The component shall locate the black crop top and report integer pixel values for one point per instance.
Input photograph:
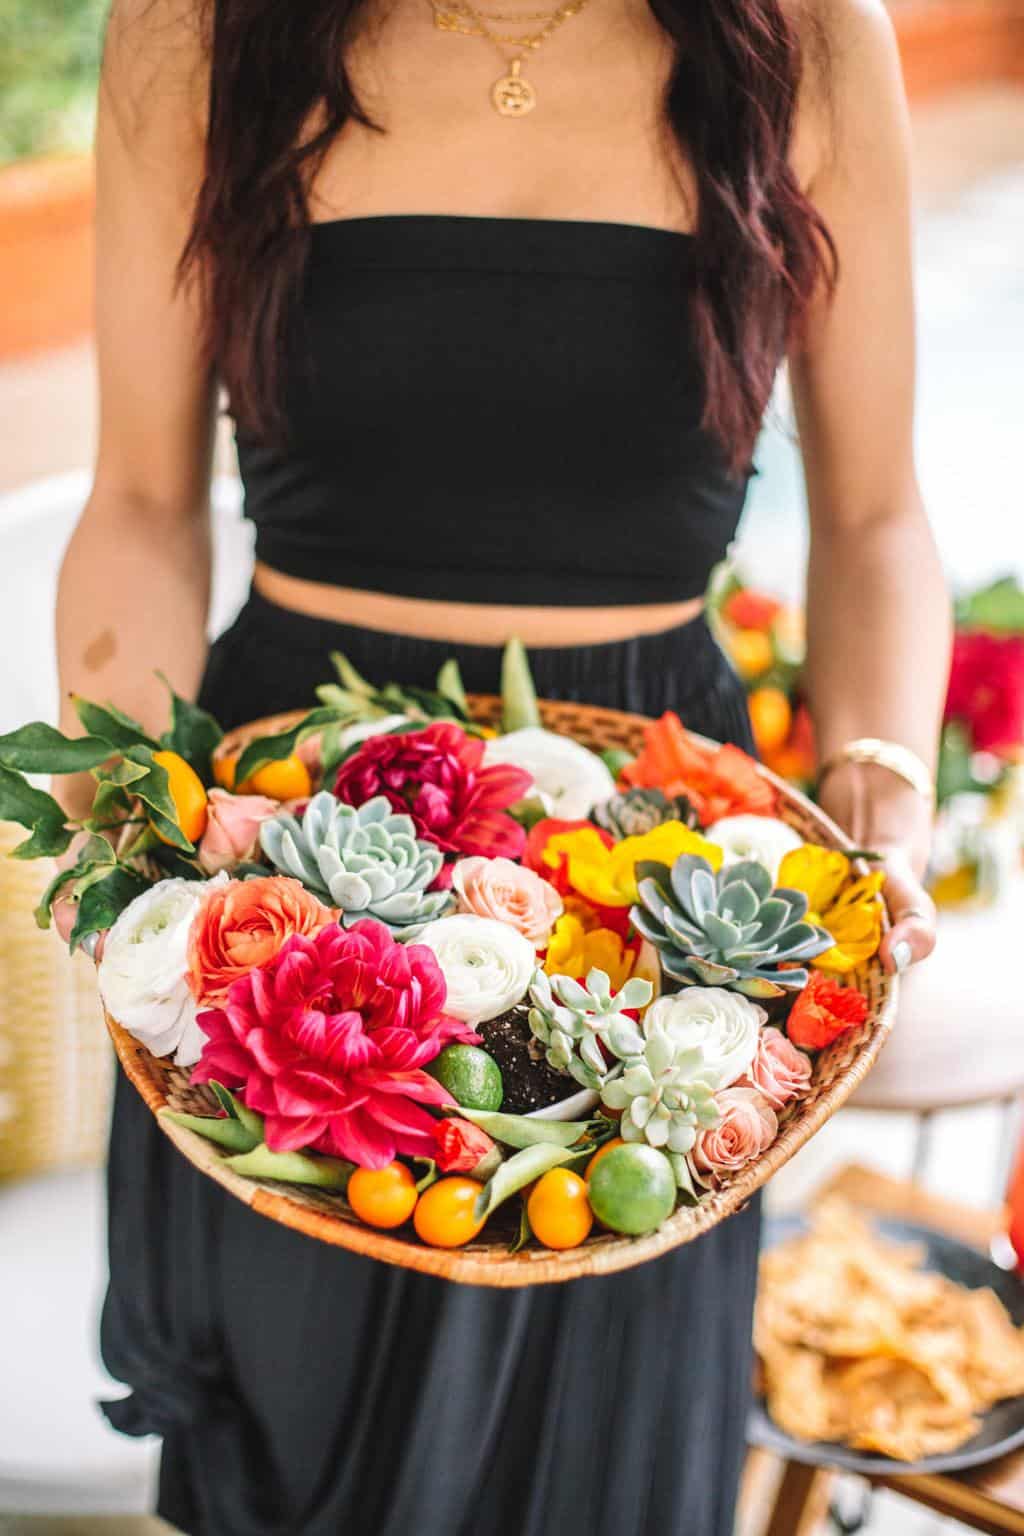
(495, 410)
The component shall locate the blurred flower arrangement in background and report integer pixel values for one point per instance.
(979, 832)
(49, 67)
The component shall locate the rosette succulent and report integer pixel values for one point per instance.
(573, 1021)
(632, 812)
(666, 1094)
(727, 930)
(365, 860)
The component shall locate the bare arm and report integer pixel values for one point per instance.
(878, 611)
(134, 584)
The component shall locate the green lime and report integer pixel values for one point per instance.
(632, 1189)
(471, 1076)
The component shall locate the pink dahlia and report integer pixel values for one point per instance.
(328, 1041)
(986, 689)
(437, 775)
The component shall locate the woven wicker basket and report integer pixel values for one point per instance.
(487, 1261)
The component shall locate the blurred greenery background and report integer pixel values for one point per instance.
(49, 65)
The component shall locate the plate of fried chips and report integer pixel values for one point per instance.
(882, 1342)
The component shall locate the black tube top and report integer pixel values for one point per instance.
(495, 410)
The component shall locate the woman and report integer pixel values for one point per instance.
(497, 352)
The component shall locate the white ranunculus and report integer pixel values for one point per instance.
(487, 965)
(725, 1025)
(764, 839)
(568, 778)
(142, 971)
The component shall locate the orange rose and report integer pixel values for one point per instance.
(242, 924)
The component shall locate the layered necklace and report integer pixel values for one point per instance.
(512, 94)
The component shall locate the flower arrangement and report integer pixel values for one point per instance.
(430, 969)
(979, 832)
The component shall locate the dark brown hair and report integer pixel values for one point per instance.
(761, 249)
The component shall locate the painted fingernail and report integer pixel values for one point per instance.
(902, 954)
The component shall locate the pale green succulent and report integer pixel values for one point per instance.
(666, 1095)
(366, 860)
(573, 1022)
(632, 812)
(726, 930)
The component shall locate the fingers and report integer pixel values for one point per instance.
(912, 935)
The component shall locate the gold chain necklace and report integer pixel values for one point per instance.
(512, 95)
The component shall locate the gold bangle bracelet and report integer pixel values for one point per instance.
(891, 755)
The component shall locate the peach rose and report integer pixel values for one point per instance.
(778, 1071)
(232, 826)
(747, 1125)
(243, 924)
(503, 890)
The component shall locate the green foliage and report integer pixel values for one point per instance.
(49, 69)
(36, 810)
(193, 734)
(999, 608)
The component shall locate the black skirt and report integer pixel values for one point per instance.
(304, 1391)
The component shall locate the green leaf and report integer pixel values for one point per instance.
(41, 913)
(193, 733)
(110, 723)
(525, 1230)
(449, 686)
(234, 1107)
(271, 749)
(102, 904)
(999, 607)
(152, 787)
(110, 803)
(350, 679)
(33, 808)
(518, 695)
(526, 1130)
(39, 748)
(226, 1133)
(520, 1169)
(615, 759)
(292, 1168)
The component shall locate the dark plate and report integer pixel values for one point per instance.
(1003, 1426)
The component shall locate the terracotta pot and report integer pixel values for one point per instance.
(46, 252)
(949, 43)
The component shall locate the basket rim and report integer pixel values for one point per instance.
(601, 1254)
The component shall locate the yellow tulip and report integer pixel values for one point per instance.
(607, 876)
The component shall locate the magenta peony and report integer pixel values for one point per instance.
(437, 775)
(328, 1041)
(986, 689)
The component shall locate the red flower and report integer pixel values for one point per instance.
(437, 776)
(328, 1041)
(823, 1011)
(986, 689)
(750, 610)
(461, 1146)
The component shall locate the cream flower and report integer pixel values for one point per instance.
(487, 965)
(724, 1025)
(765, 839)
(502, 889)
(568, 778)
(747, 1126)
(142, 974)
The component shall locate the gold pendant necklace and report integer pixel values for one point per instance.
(512, 95)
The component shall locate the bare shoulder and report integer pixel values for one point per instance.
(155, 78)
(851, 78)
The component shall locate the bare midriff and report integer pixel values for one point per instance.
(470, 623)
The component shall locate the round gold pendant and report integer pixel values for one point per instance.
(512, 95)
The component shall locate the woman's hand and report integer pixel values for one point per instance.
(886, 816)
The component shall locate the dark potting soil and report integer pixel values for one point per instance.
(528, 1080)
